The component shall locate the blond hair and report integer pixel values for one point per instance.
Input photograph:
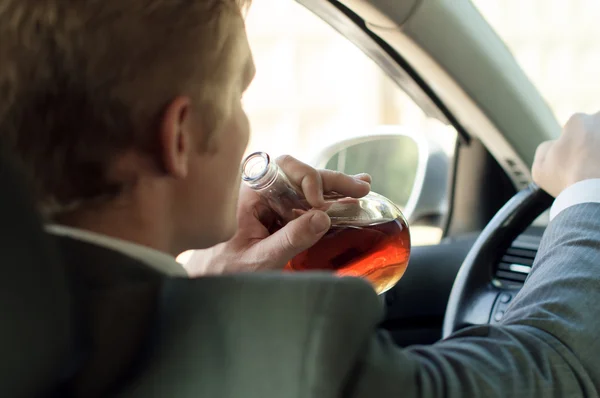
(82, 81)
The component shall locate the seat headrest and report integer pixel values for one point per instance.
(34, 300)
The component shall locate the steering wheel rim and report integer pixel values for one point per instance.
(473, 296)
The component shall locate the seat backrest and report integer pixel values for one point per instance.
(34, 305)
(261, 335)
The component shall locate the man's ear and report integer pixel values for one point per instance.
(175, 137)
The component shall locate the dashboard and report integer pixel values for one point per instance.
(514, 264)
(415, 308)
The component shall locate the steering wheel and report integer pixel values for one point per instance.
(474, 298)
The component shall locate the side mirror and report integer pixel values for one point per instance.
(412, 169)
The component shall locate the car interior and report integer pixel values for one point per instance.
(462, 74)
(492, 220)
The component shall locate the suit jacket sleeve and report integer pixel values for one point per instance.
(547, 345)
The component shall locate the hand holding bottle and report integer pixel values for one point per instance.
(260, 243)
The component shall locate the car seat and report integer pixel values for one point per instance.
(35, 335)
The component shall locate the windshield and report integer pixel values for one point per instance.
(557, 43)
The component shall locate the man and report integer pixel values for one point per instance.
(127, 118)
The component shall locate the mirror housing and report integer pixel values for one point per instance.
(428, 201)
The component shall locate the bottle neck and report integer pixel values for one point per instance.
(273, 185)
(259, 172)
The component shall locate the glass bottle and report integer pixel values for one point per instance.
(369, 237)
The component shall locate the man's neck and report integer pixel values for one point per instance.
(128, 223)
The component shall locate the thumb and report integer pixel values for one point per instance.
(297, 236)
(542, 169)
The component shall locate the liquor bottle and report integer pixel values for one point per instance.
(368, 238)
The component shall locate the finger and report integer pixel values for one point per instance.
(335, 181)
(363, 177)
(250, 203)
(542, 151)
(315, 182)
(538, 171)
(575, 128)
(296, 236)
(574, 121)
(305, 177)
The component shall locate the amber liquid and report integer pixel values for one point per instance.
(376, 253)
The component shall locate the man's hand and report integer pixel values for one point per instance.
(258, 244)
(574, 157)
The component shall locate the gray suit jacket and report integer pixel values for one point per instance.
(271, 336)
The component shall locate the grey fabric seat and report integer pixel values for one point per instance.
(35, 331)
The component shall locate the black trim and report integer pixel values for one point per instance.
(451, 190)
(423, 322)
(480, 188)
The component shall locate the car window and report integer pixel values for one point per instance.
(557, 43)
(314, 88)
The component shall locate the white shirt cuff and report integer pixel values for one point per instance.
(586, 191)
